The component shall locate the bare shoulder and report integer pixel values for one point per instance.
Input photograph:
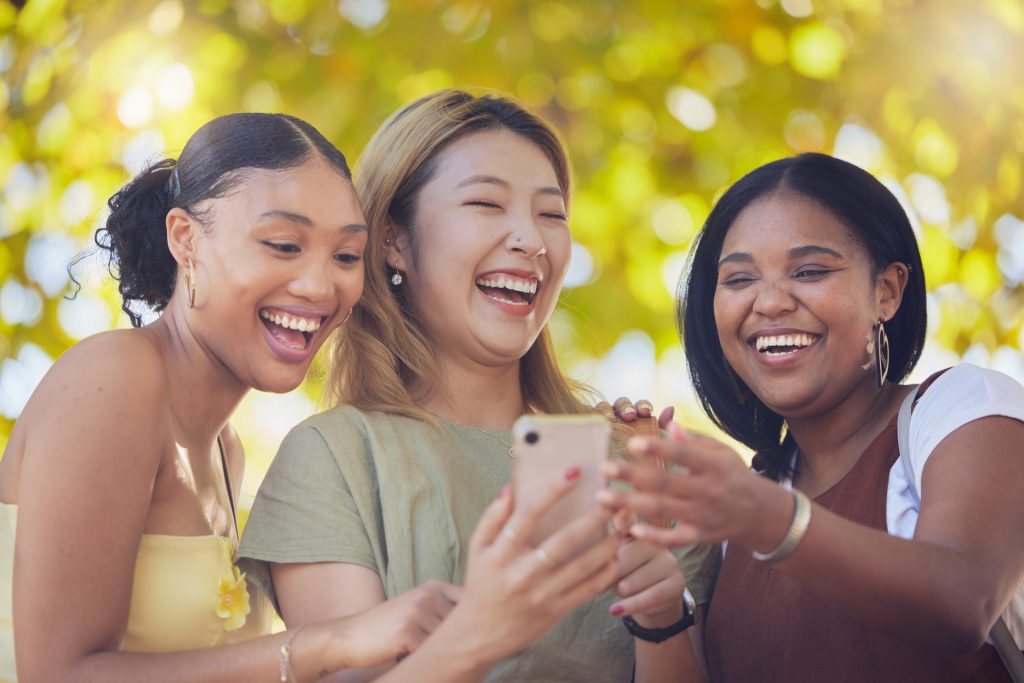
(115, 377)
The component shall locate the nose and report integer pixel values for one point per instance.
(313, 281)
(773, 299)
(526, 238)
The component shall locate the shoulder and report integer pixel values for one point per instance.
(970, 389)
(344, 427)
(120, 370)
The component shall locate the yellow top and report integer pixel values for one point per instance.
(187, 594)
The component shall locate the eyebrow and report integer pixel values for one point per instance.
(795, 252)
(304, 220)
(494, 180)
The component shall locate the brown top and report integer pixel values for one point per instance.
(763, 626)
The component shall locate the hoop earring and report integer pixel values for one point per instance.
(190, 281)
(347, 316)
(881, 353)
(396, 279)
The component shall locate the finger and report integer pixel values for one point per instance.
(577, 569)
(650, 505)
(491, 522)
(644, 408)
(677, 537)
(656, 565)
(587, 588)
(621, 522)
(664, 593)
(693, 451)
(633, 555)
(645, 477)
(624, 409)
(606, 409)
(571, 539)
(665, 418)
(527, 515)
(445, 596)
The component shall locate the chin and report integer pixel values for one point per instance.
(278, 385)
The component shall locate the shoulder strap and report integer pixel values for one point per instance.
(1008, 650)
(227, 483)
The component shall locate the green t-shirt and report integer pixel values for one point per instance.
(402, 498)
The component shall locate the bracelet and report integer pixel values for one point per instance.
(285, 659)
(657, 635)
(797, 529)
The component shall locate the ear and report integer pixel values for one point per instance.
(396, 246)
(181, 233)
(892, 282)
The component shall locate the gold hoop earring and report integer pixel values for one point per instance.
(347, 316)
(881, 353)
(190, 281)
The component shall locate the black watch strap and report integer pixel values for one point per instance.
(657, 635)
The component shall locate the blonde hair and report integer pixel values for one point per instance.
(384, 352)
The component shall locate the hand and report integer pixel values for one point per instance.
(625, 410)
(515, 593)
(713, 497)
(650, 583)
(393, 628)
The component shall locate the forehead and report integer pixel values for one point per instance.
(780, 221)
(496, 152)
(313, 188)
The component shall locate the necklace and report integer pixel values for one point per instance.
(511, 449)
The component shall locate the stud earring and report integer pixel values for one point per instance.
(881, 353)
(396, 278)
(190, 281)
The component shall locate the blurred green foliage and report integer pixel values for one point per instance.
(662, 104)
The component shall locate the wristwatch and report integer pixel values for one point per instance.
(657, 635)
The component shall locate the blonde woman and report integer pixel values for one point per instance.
(467, 202)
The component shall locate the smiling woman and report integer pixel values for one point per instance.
(121, 474)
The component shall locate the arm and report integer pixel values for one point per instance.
(944, 588)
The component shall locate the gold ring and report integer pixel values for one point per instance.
(509, 533)
(543, 556)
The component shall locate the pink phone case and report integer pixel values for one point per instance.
(550, 444)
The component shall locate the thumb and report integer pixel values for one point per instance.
(491, 522)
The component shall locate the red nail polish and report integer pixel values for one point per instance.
(572, 473)
(617, 610)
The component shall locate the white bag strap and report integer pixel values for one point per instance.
(1009, 652)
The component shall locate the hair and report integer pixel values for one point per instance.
(873, 218)
(211, 165)
(385, 354)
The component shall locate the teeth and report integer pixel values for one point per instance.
(515, 285)
(292, 322)
(794, 340)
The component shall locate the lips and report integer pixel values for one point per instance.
(291, 331)
(509, 288)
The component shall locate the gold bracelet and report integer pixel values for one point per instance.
(797, 529)
(285, 660)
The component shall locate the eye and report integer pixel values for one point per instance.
(348, 259)
(556, 216)
(737, 280)
(810, 273)
(283, 247)
(484, 203)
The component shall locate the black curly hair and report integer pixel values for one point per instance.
(210, 166)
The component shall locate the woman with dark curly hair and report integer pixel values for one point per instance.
(121, 475)
(881, 540)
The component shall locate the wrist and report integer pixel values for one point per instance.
(661, 618)
(317, 651)
(462, 644)
(772, 510)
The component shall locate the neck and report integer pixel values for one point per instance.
(203, 392)
(831, 443)
(477, 395)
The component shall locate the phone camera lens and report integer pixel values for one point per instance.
(532, 437)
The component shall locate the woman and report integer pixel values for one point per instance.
(466, 200)
(122, 472)
(803, 310)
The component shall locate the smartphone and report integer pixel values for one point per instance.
(549, 444)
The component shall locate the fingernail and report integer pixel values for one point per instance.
(609, 470)
(605, 496)
(504, 491)
(638, 530)
(616, 610)
(629, 411)
(572, 473)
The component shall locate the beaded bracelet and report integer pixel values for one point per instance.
(285, 660)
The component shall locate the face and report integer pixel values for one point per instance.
(278, 267)
(795, 303)
(490, 248)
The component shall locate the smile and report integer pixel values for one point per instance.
(508, 289)
(291, 330)
(781, 345)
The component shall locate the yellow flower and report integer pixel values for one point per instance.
(232, 594)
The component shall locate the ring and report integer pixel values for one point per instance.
(543, 556)
(509, 533)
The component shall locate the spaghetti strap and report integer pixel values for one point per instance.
(227, 483)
